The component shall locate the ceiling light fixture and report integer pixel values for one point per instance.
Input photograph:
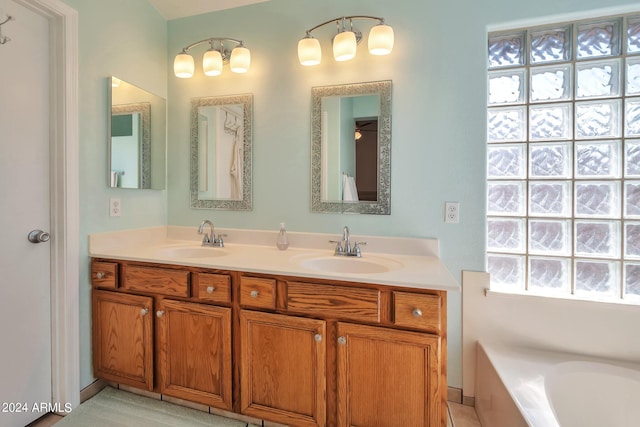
(239, 58)
(345, 41)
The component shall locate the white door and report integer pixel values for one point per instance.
(25, 300)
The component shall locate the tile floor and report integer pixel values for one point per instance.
(459, 415)
(46, 421)
(463, 415)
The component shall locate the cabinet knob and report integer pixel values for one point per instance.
(210, 289)
(144, 311)
(159, 313)
(417, 312)
(254, 294)
(100, 275)
(342, 340)
(317, 337)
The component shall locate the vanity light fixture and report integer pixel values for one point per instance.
(239, 58)
(345, 41)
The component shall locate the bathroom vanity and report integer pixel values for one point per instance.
(286, 336)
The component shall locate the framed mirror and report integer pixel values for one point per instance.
(351, 148)
(137, 127)
(221, 138)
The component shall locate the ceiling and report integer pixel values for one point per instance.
(172, 9)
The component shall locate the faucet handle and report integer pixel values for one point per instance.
(356, 248)
(206, 240)
(338, 243)
(218, 241)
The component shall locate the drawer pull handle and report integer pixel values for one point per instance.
(417, 312)
(317, 337)
(342, 340)
(210, 289)
(160, 313)
(144, 311)
(254, 294)
(100, 275)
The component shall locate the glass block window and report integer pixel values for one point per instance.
(563, 159)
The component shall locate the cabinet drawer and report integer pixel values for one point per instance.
(258, 292)
(341, 302)
(213, 287)
(104, 274)
(418, 311)
(157, 280)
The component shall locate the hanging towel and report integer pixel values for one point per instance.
(114, 178)
(237, 164)
(349, 191)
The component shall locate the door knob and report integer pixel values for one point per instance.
(38, 236)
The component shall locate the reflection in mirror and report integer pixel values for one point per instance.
(221, 152)
(351, 146)
(137, 137)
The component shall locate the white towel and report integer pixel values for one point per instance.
(349, 191)
(237, 162)
(114, 178)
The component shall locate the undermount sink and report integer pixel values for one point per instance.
(190, 252)
(352, 265)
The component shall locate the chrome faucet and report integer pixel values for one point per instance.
(343, 247)
(210, 239)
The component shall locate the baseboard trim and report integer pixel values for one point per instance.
(91, 390)
(454, 395)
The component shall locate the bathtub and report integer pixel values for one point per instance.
(532, 388)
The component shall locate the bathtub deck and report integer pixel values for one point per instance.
(512, 391)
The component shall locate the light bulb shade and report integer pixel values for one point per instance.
(344, 46)
(212, 63)
(309, 51)
(381, 40)
(183, 65)
(240, 59)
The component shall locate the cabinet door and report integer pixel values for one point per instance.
(387, 378)
(194, 342)
(122, 338)
(282, 369)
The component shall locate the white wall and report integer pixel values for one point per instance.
(581, 327)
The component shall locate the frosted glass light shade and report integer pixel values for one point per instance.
(381, 40)
(240, 60)
(183, 66)
(212, 63)
(344, 46)
(309, 51)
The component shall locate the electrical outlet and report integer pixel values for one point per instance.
(115, 209)
(452, 212)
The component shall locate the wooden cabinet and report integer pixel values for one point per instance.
(178, 348)
(282, 368)
(296, 351)
(122, 338)
(194, 342)
(387, 377)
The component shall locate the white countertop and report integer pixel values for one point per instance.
(407, 262)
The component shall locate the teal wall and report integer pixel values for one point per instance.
(439, 95)
(438, 69)
(128, 39)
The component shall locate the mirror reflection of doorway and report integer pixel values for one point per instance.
(366, 176)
